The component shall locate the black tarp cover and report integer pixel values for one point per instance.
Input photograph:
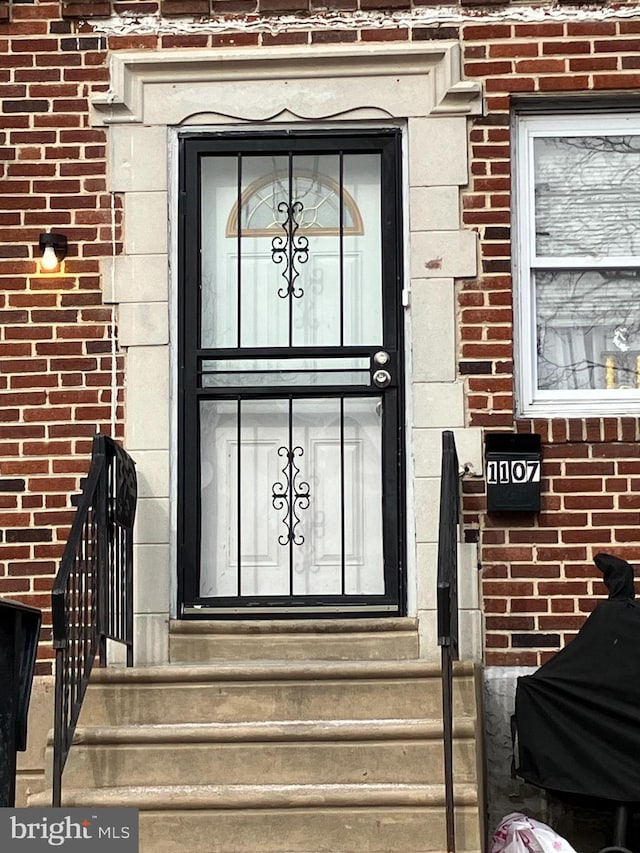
(578, 716)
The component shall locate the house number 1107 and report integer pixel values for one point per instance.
(513, 471)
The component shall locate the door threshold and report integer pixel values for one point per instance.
(274, 612)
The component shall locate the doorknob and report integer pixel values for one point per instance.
(381, 378)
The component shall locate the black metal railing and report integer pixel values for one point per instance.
(447, 599)
(92, 597)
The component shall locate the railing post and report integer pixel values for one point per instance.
(447, 725)
(58, 733)
(101, 510)
(447, 599)
(129, 595)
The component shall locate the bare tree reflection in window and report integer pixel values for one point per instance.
(579, 321)
(587, 207)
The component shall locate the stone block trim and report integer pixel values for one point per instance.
(377, 85)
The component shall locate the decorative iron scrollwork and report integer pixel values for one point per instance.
(292, 496)
(126, 488)
(291, 249)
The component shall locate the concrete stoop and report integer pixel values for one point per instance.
(288, 755)
(301, 639)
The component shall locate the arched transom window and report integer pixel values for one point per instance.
(317, 198)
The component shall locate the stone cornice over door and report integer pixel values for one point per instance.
(277, 84)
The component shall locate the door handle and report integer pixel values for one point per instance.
(381, 378)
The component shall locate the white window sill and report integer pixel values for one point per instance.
(621, 406)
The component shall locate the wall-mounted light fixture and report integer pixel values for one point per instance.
(54, 250)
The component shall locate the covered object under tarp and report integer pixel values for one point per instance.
(578, 717)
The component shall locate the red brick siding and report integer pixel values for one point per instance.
(56, 335)
(539, 581)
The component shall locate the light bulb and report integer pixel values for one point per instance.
(49, 260)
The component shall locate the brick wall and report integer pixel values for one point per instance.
(538, 577)
(56, 361)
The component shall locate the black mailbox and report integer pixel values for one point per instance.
(513, 463)
(19, 632)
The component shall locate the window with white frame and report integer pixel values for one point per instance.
(577, 254)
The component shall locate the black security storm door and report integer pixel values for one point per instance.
(290, 375)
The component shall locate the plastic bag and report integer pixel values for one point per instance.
(518, 833)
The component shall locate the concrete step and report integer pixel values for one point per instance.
(198, 641)
(285, 752)
(280, 738)
(273, 691)
(335, 818)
